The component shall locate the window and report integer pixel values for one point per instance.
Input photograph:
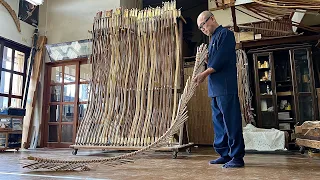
(13, 63)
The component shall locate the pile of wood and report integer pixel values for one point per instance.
(308, 135)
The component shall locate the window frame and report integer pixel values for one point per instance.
(15, 47)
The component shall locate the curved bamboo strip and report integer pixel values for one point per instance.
(12, 14)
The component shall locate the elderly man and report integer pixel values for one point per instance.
(222, 88)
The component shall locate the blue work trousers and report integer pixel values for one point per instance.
(227, 122)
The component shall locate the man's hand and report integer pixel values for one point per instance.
(202, 76)
(199, 78)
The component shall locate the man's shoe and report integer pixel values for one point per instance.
(234, 163)
(220, 160)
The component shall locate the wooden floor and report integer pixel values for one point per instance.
(160, 165)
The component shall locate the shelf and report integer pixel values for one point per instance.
(4, 116)
(283, 81)
(266, 96)
(264, 68)
(283, 95)
(10, 131)
(304, 93)
(287, 85)
(284, 110)
(287, 93)
(286, 121)
(291, 120)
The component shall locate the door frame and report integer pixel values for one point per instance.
(46, 101)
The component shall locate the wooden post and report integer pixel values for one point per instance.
(32, 92)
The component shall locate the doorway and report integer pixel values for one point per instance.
(65, 101)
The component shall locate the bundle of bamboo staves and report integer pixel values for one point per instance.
(136, 66)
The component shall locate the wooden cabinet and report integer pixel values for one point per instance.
(284, 87)
(10, 137)
(265, 90)
(303, 83)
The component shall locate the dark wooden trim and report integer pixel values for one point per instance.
(12, 72)
(234, 19)
(15, 47)
(274, 89)
(287, 47)
(1, 56)
(295, 85)
(10, 96)
(11, 76)
(76, 116)
(274, 41)
(313, 88)
(83, 82)
(65, 62)
(62, 122)
(9, 42)
(59, 84)
(257, 88)
(61, 103)
(46, 98)
(25, 69)
(76, 102)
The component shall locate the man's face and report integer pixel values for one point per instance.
(206, 25)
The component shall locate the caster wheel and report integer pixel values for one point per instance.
(75, 152)
(188, 150)
(17, 149)
(174, 154)
(302, 149)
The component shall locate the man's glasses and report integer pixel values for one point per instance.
(202, 24)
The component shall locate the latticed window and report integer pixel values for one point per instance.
(13, 63)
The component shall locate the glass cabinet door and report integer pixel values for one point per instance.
(265, 90)
(304, 84)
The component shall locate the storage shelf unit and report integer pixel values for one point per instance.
(284, 87)
(9, 137)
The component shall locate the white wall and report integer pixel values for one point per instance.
(8, 28)
(69, 20)
(64, 21)
(224, 16)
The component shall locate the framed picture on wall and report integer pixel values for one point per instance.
(28, 13)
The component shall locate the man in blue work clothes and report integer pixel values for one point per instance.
(222, 88)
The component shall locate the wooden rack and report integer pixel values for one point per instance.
(5, 133)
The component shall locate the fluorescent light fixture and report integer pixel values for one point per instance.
(35, 2)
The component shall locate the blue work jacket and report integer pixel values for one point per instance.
(222, 58)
